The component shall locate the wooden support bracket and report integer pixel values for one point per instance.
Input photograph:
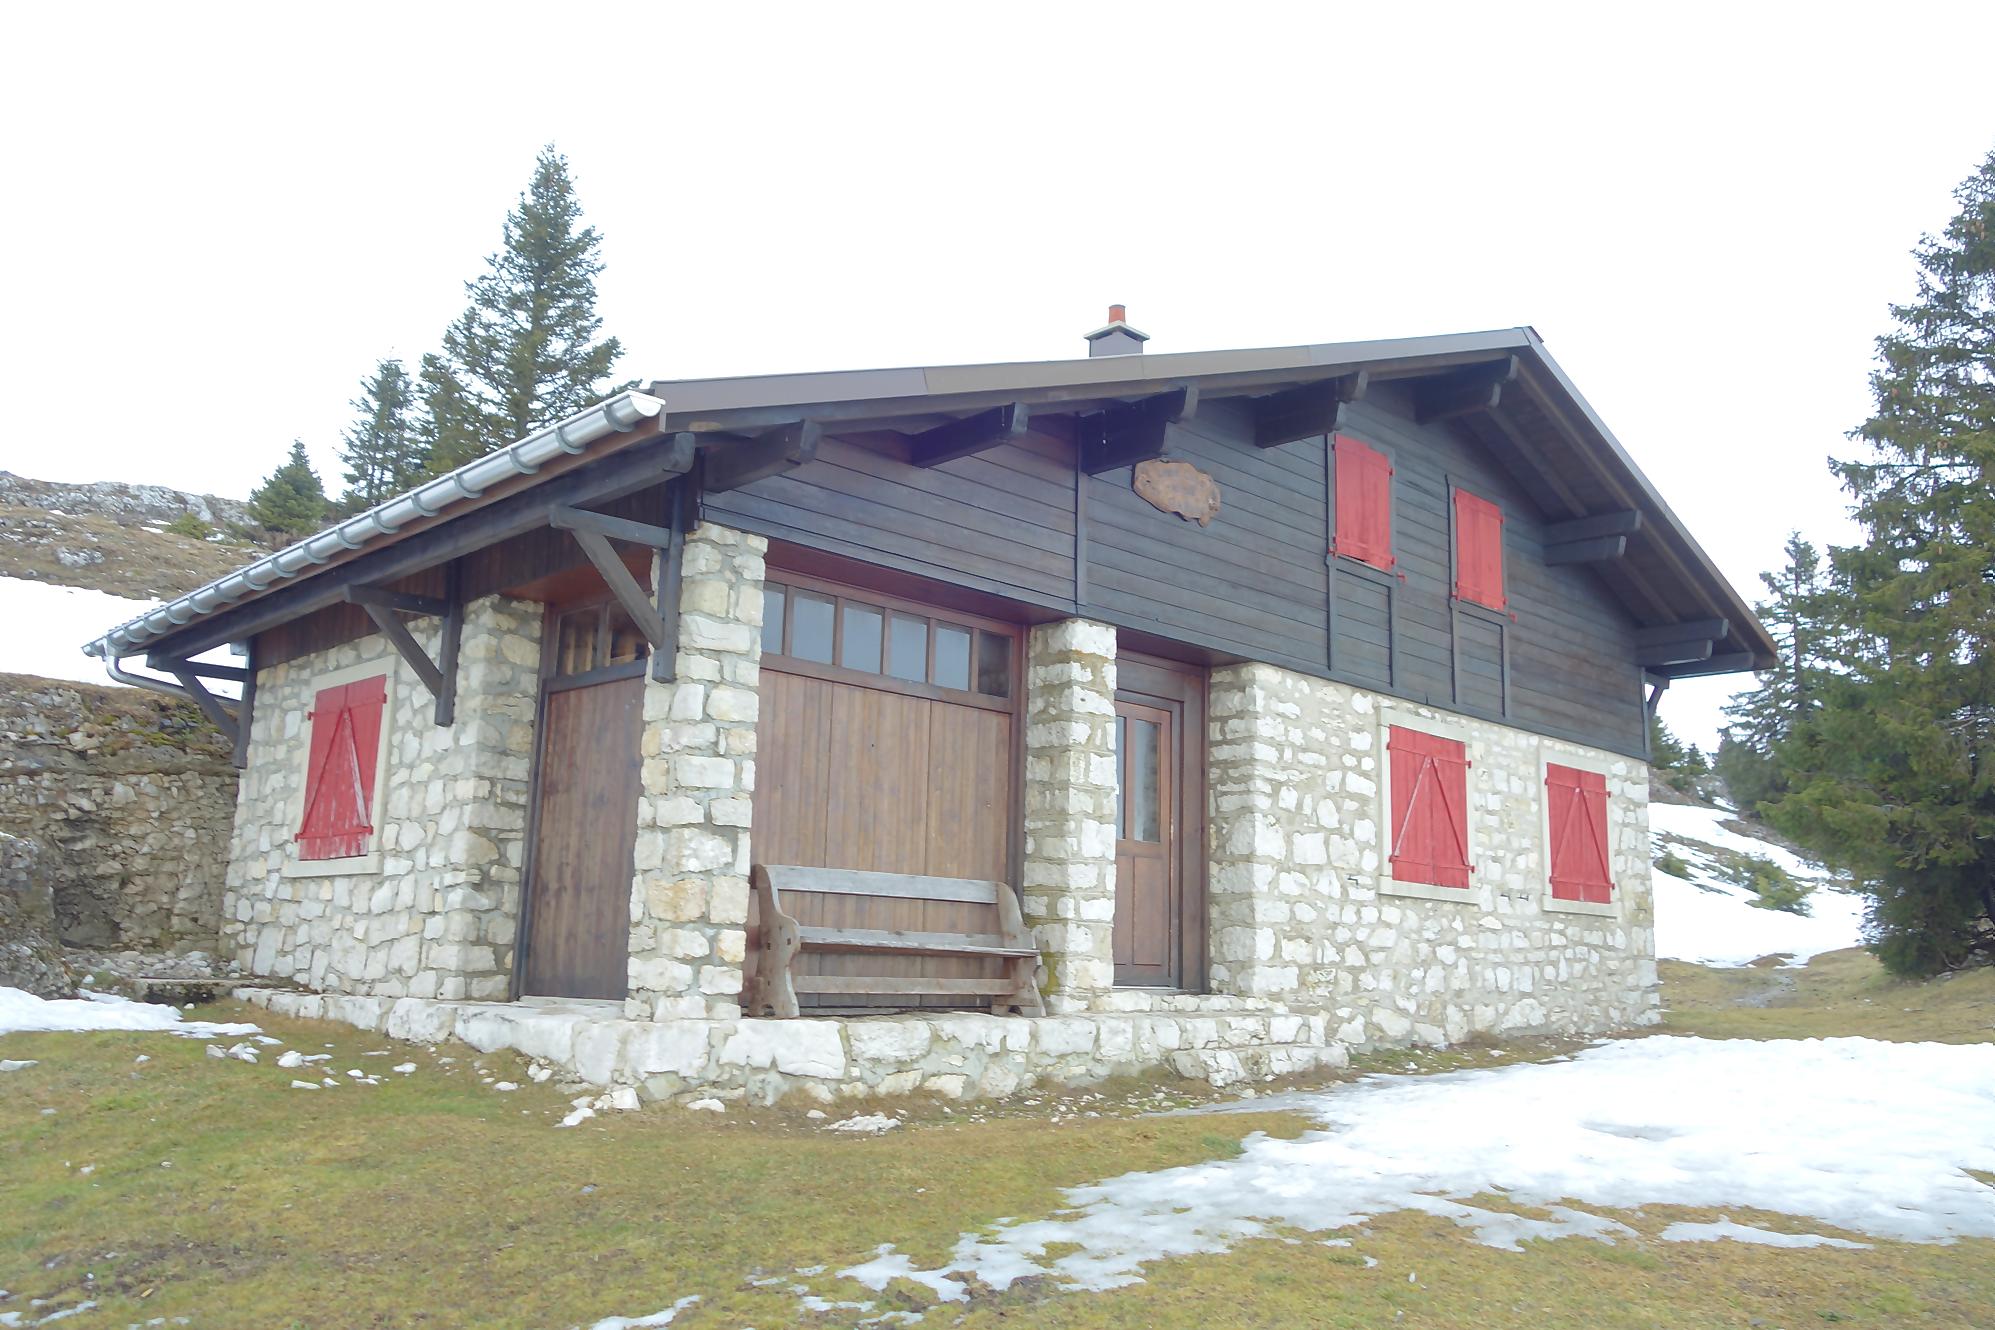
(736, 462)
(386, 607)
(1624, 523)
(192, 677)
(1596, 549)
(657, 619)
(1131, 432)
(1676, 653)
(1477, 388)
(970, 435)
(1306, 412)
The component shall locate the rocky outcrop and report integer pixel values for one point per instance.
(30, 956)
(134, 504)
(132, 795)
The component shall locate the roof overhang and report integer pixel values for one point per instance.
(1541, 430)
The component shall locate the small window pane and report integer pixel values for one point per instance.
(1121, 781)
(907, 648)
(859, 648)
(626, 643)
(773, 600)
(1145, 795)
(575, 642)
(952, 657)
(810, 628)
(993, 665)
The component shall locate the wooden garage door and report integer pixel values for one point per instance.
(885, 743)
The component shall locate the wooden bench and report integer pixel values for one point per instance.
(994, 939)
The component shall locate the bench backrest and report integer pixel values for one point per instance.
(904, 886)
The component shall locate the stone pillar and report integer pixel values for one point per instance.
(689, 897)
(480, 772)
(1069, 887)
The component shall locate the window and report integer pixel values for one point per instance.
(1364, 504)
(342, 768)
(858, 635)
(595, 637)
(1581, 868)
(1428, 777)
(1479, 551)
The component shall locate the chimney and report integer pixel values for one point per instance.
(1116, 337)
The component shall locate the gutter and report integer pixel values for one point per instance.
(572, 436)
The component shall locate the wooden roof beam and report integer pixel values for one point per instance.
(1688, 630)
(1131, 432)
(1598, 549)
(1307, 412)
(1624, 523)
(1478, 388)
(970, 435)
(733, 463)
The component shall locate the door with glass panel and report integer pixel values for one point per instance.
(1145, 841)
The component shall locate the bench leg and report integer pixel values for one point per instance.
(778, 969)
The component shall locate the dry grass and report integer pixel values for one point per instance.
(217, 1192)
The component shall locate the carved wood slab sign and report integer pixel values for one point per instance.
(1179, 487)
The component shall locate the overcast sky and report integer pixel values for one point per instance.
(221, 216)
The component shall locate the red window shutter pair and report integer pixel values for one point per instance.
(1430, 785)
(1577, 803)
(339, 780)
(1479, 551)
(1364, 504)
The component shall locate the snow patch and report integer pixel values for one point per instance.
(23, 1012)
(1765, 1237)
(1708, 921)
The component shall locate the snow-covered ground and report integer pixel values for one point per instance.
(1860, 1135)
(51, 624)
(1704, 919)
(24, 1012)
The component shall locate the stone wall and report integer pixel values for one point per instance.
(1303, 911)
(1068, 891)
(689, 895)
(437, 917)
(30, 957)
(131, 795)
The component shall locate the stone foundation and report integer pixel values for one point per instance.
(951, 1055)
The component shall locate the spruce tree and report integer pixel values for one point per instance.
(382, 451)
(291, 501)
(1798, 611)
(526, 351)
(1896, 770)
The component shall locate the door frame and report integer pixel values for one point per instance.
(547, 682)
(1179, 688)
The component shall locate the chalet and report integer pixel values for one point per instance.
(962, 727)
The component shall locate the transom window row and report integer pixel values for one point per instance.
(870, 638)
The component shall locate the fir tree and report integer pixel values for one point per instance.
(1798, 611)
(382, 451)
(291, 501)
(1896, 769)
(526, 352)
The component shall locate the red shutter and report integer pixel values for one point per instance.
(1429, 808)
(1581, 868)
(339, 780)
(1364, 504)
(1479, 551)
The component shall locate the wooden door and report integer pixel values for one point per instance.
(1146, 862)
(1159, 931)
(577, 934)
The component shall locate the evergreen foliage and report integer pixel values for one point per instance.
(382, 450)
(291, 501)
(1672, 757)
(526, 351)
(1890, 767)
(1799, 611)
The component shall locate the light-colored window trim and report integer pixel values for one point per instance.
(1579, 762)
(1442, 727)
(358, 864)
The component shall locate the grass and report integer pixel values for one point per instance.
(215, 1191)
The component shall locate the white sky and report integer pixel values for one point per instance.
(220, 217)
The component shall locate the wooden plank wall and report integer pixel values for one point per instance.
(1254, 584)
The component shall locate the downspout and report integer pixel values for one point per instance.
(114, 666)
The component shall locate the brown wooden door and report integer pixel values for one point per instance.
(1159, 933)
(1146, 862)
(885, 744)
(585, 828)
